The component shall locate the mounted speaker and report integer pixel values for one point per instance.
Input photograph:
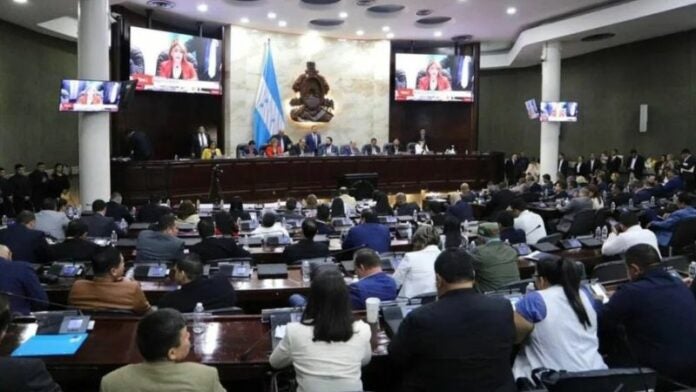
(643, 122)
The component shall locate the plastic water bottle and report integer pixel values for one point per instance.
(630, 203)
(530, 287)
(415, 216)
(198, 326)
(598, 234)
(692, 270)
(133, 212)
(652, 201)
(4, 220)
(306, 271)
(284, 222)
(605, 233)
(409, 232)
(613, 206)
(507, 242)
(114, 237)
(466, 226)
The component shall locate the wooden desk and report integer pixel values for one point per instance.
(270, 178)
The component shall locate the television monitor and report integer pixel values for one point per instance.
(532, 109)
(434, 77)
(166, 61)
(89, 96)
(558, 112)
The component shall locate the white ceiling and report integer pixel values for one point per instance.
(506, 40)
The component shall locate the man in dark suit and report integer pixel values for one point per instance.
(306, 248)
(6, 207)
(688, 169)
(510, 169)
(199, 142)
(284, 141)
(395, 147)
(313, 140)
(463, 339)
(161, 244)
(328, 148)
(22, 374)
(581, 167)
(403, 207)
(521, 165)
(25, 243)
(214, 293)
(99, 225)
(369, 233)
(39, 184)
(214, 248)
(300, 149)
(140, 145)
(323, 220)
(153, 210)
(372, 148)
(19, 278)
(635, 164)
(351, 149)
(593, 164)
(614, 164)
(116, 210)
(562, 165)
(76, 245)
(21, 189)
(461, 210)
(208, 55)
(501, 198)
(373, 282)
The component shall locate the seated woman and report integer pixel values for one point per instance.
(560, 322)
(311, 202)
(451, 233)
(596, 197)
(326, 348)
(211, 152)
(273, 149)
(338, 208)
(323, 218)
(382, 207)
(237, 210)
(187, 213)
(416, 272)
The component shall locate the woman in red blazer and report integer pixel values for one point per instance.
(434, 79)
(273, 149)
(177, 67)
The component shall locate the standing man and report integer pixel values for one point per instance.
(313, 140)
(687, 169)
(562, 165)
(199, 141)
(614, 164)
(284, 141)
(6, 192)
(39, 184)
(140, 145)
(593, 164)
(635, 164)
(21, 189)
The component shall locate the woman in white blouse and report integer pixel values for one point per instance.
(327, 348)
(416, 272)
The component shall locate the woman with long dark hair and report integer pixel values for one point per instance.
(338, 208)
(327, 347)
(237, 209)
(453, 232)
(560, 321)
(382, 207)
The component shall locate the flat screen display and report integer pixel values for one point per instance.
(532, 109)
(433, 77)
(559, 111)
(166, 61)
(89, 96)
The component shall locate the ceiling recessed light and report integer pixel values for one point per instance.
(438, 34)
(20, 1)
(244, 20)
(360, 32)
(271, 15)
(386, 29)
(390, 35)
(282, 23)
(511, 10)
(202, 7)
(343, 15)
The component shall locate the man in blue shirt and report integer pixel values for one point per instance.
(658, 313)
(461, 209)
(665, 228)
(369, 233)
(18, 278)
(373, 281)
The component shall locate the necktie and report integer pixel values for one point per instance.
(201, 140)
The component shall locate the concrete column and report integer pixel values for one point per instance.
(94, 128)
(231, 139)
(550, 91)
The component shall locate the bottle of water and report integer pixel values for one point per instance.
(133, 212)
(472, 246)
(123, 225)
(605, 233)
(530, 287)
(415, 216)
(198, 326)
(465, 227)
(306, 271)
(652, 201)
(4, 220)
(613, 206)
(598, 234)
(176, 157)
(409, 232)
(114, 237)
(630, 203)
(692, 270)
(284, 222)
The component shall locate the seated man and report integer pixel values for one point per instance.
(460, 209)
(369, 233)
(665, 227)
(577, 204)
(21, 374)
(348, 200)
(373, 282)
(161, 244)
(26, 243)
(328, 148)
(153, 210)
(270, 227)
(76, 246)
(462, 341)
(214, 293)
(300, 149)
(212, 248)
(323, 220)
(109, 289)
(372, 148)
(50, 221)
(19, 278)
(467, 195)
(98, 225)
(626, 234)
(351, 149)
(306, 248)
(658, 316)
(673, 185)
(495, 262)
(116, 210)
(164, 342)
(529, 222)
(291, 211)
(395, 147)
(508, 232)
(402, 207)
(560, 190)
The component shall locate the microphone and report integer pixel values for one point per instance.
(41, 301)
(534, 229)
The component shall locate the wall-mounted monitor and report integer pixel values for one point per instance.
(558, 112)
(532, 109)
(433, 77)
(89, 95)
(173, 62)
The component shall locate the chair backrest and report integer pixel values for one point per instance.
(240, 148)
(601, 216)
(611, 271)
(684, 234)
(583, 223)
(551, 238)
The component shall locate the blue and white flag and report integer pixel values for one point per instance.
(268, 109)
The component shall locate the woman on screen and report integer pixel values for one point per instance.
(177, 66)
(434, 79)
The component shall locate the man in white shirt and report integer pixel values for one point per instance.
(348, 200)
(532, 224)
(416, 272)
(50, 221)
(269, 227)
(626, 234)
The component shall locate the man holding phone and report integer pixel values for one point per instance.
(626, 233)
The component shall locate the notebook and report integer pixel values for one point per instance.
(48, 345)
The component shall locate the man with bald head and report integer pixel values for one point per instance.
(19, 281)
